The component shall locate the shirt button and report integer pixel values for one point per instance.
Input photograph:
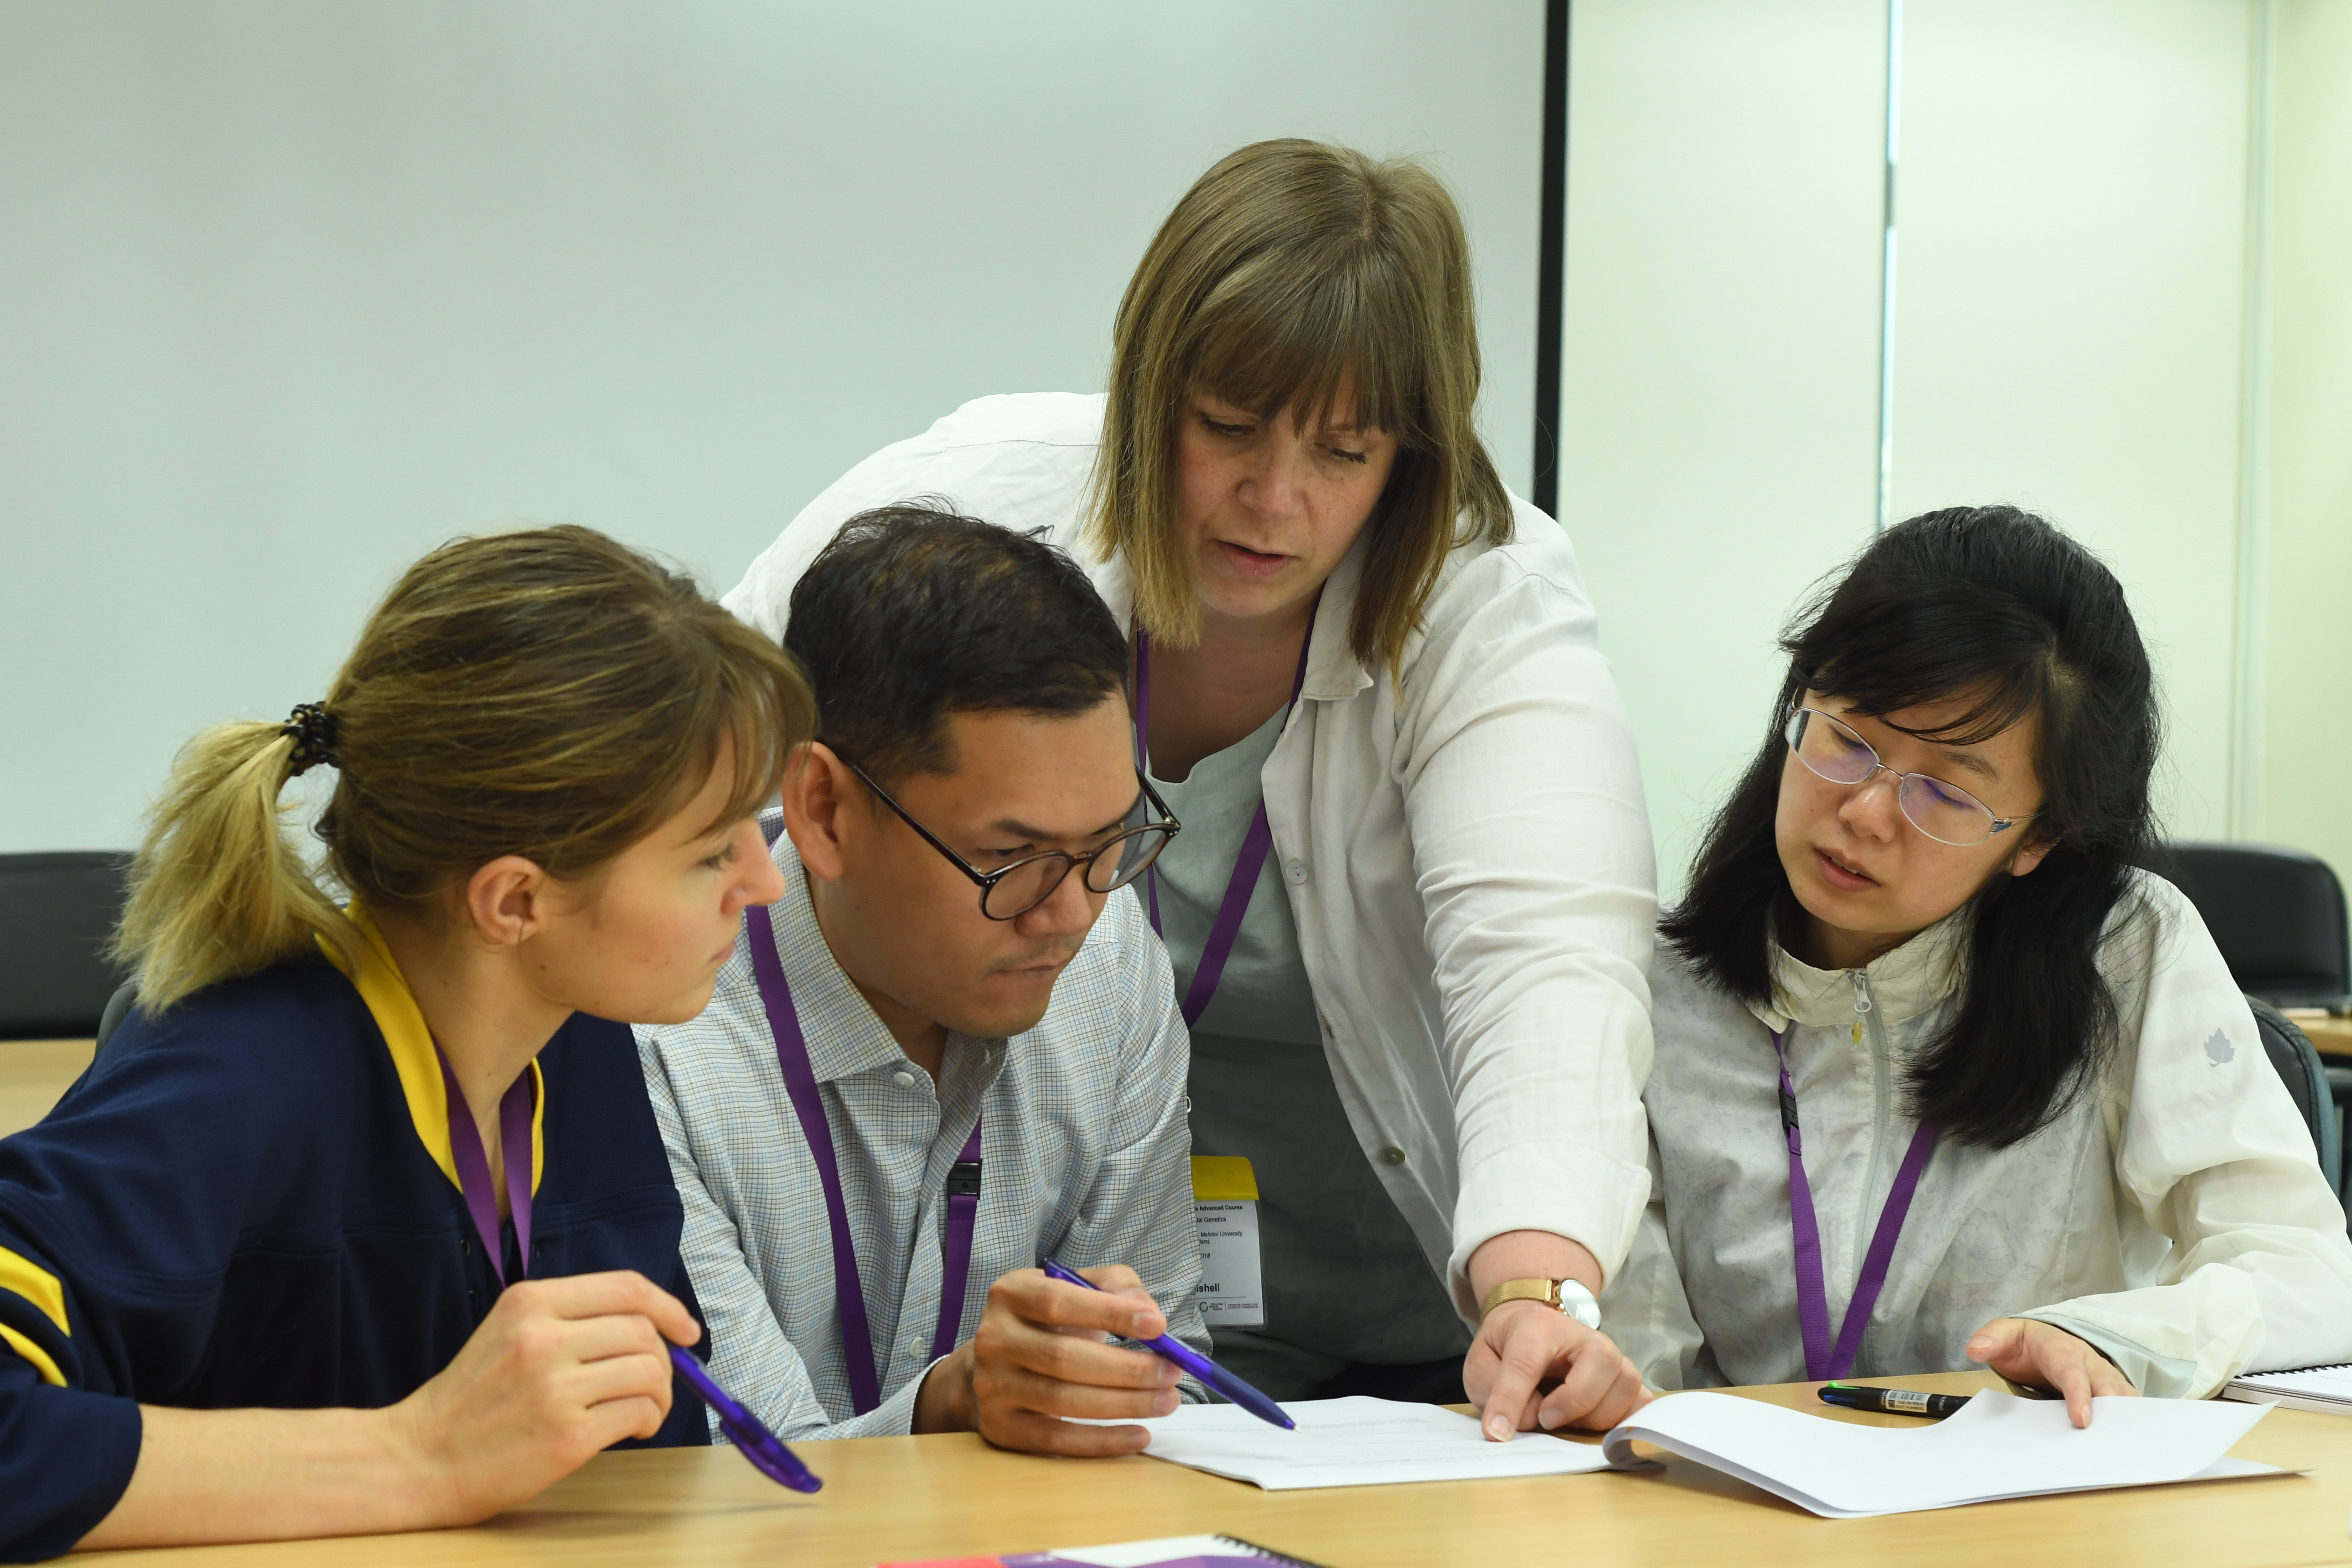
(1325, 1023)
(1296, 870)
(1391, 1155)
(903, 1078)
(921, 1349)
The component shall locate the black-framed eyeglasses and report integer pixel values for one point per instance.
(1830, 748)
(1011, 891)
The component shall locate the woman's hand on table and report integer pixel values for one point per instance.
(1533, 1367)
(2024, 1350)
(560, 1370)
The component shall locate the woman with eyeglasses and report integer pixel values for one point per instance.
(1941, 1079)
(1413, 901)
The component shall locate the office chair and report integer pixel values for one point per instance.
(2278, 917)
(56, 911)
(2298, 1064)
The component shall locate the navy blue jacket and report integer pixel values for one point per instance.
(238, 1207)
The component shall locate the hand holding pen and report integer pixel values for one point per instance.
(1178, 1354)
(1037, 1370)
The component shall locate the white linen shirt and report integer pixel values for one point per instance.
(1466, 849)
(1084, 1157)
(2174, 1215)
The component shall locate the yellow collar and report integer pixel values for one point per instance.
(381, 986)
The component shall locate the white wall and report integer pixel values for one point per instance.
(2071, 215)
(1720, 354)
(290, 292)
(2071, 208)
(2307, 684)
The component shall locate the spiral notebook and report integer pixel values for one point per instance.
(2325, 1389)
(1175, 1552)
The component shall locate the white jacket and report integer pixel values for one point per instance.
(1469, 867)
(2174, 1215)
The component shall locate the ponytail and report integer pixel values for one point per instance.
(546, 693)
(217, 891)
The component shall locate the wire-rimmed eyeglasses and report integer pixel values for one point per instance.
(1011, 891)
(1944, 812)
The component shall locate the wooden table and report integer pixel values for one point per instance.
(33, 1074)
(2332, 1036)
(897, 1498)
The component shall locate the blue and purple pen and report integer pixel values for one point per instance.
(764, 1450)
(1208, 1373)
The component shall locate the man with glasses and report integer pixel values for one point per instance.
(952, 1048)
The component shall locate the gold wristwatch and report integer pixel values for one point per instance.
(1567, 1297)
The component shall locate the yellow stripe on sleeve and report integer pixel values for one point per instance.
(1222, 1178)
(34, 1353)
(36, 1285)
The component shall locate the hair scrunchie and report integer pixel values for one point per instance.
(314, 730)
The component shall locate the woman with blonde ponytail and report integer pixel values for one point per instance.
(361, 1221)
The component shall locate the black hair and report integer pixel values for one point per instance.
(914, 611)
(1993, 608)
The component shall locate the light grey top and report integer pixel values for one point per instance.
(2173, 1213)
(1084, 1158)
(1344, 1279)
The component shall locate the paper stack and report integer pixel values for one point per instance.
(2000, 1447)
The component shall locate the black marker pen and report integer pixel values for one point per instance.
(1892, 1401)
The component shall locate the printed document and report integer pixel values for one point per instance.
(1355, 1442)
(2000, 1447)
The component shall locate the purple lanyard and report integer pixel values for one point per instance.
(473, 1164)
(1256, 844)
(1822, 1362)
(963, 1182)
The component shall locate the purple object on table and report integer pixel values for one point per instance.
(763, 1448)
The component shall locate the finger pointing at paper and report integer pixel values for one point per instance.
(1533, 1368)
(2024, 1350)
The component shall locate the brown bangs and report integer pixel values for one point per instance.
(1269, 342)
(1289, 270)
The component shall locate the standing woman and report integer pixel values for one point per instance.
(360, 1221)
(1410, 906)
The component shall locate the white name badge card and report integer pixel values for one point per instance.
(1225, 1205)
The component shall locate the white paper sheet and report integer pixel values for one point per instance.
(2000, 1447)
(1355, 1442)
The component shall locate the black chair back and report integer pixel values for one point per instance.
(2278, 917)
(2299, 1067)
(56, 911)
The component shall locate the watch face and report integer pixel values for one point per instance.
(1578, 1303)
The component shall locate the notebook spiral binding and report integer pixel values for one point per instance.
(1268, 1552)
(2297, 1371)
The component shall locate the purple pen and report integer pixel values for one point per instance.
(764, 1450)
(1169, 1348)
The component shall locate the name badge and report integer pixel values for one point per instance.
(1225, 1205)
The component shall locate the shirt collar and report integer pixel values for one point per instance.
(843, 1033)
(1333, 672)
(1903, 983)
(375, 974)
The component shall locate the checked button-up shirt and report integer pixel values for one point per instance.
(1086, 1157)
